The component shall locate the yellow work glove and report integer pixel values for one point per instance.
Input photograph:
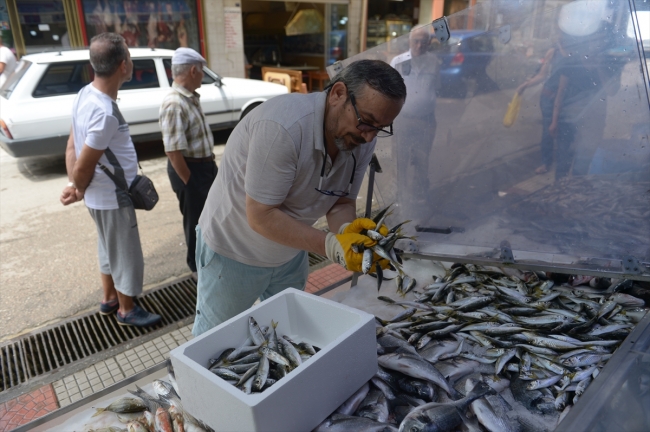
(359, 224)
(338, 248)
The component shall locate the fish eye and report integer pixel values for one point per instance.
(414, 429)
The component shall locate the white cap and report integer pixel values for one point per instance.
(187, 56)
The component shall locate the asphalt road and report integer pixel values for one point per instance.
(48, 252)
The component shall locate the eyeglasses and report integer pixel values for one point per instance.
(366, 127)
(336, 193)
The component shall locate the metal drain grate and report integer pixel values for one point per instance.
(315, 260)
(46, 351)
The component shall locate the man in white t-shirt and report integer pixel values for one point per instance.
(290, 161)
(100, 139)
(7, 63)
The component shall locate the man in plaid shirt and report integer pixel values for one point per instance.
(188, 143)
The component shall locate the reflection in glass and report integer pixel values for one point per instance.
(43, 25)
(567, 183)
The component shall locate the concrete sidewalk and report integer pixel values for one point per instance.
(74, 387)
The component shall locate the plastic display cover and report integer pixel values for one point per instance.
(524, 136)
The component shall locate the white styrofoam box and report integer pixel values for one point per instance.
(309, 393)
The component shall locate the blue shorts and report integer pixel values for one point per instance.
(227, 287)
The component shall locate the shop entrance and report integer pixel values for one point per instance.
(305, 37)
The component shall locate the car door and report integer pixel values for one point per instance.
(216, 99)
(139, 99)
(48, 112)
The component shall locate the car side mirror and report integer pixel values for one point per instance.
(218, 82)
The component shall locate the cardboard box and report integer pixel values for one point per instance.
(307, 395)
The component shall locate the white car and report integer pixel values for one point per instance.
(36, 101)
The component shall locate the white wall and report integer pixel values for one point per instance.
(227, 61)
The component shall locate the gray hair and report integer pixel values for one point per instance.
(376, 74)
(182, 69)
(107, 52)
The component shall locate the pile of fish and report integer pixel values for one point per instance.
(481, 350)
(146, 413)
(586, 213)
(262, 360)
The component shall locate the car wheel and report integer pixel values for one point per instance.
(249, 109)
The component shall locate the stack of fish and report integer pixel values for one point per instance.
(146, 413)
(513, 341)
(385, 249)
(262, 360)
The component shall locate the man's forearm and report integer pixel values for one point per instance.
(281, 228)
(81, 177)
(344, 211)
(84, 167)
(70, 157)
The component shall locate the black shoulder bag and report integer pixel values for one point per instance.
(142, 191)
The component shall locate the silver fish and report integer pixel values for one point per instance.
(542, 383)
(247, 374)
(505, 358)
(290, 352)
(366, 262)
(352, 403)
(255, 332)
(441, 417)
(585, 359)
(416, 367)
(342, 423)
(274, 356)
(582, 385)
(261, 374)
(485, 413)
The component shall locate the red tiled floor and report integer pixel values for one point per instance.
(325, 277)
(27, 407)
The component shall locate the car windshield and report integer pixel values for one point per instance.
(14, 79)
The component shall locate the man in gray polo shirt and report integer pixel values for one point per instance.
(292, 160)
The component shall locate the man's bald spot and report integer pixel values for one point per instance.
(99, 48)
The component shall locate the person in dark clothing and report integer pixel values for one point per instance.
(188, 143)
(546, 100)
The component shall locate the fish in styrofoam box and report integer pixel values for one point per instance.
(308, 394)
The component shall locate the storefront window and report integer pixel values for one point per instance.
(43, 25)
(155, 24)
(5, 27)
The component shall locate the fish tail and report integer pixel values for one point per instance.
(274, 324)
(99, 411)
(454, 394)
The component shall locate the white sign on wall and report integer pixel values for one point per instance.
(233, 29)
